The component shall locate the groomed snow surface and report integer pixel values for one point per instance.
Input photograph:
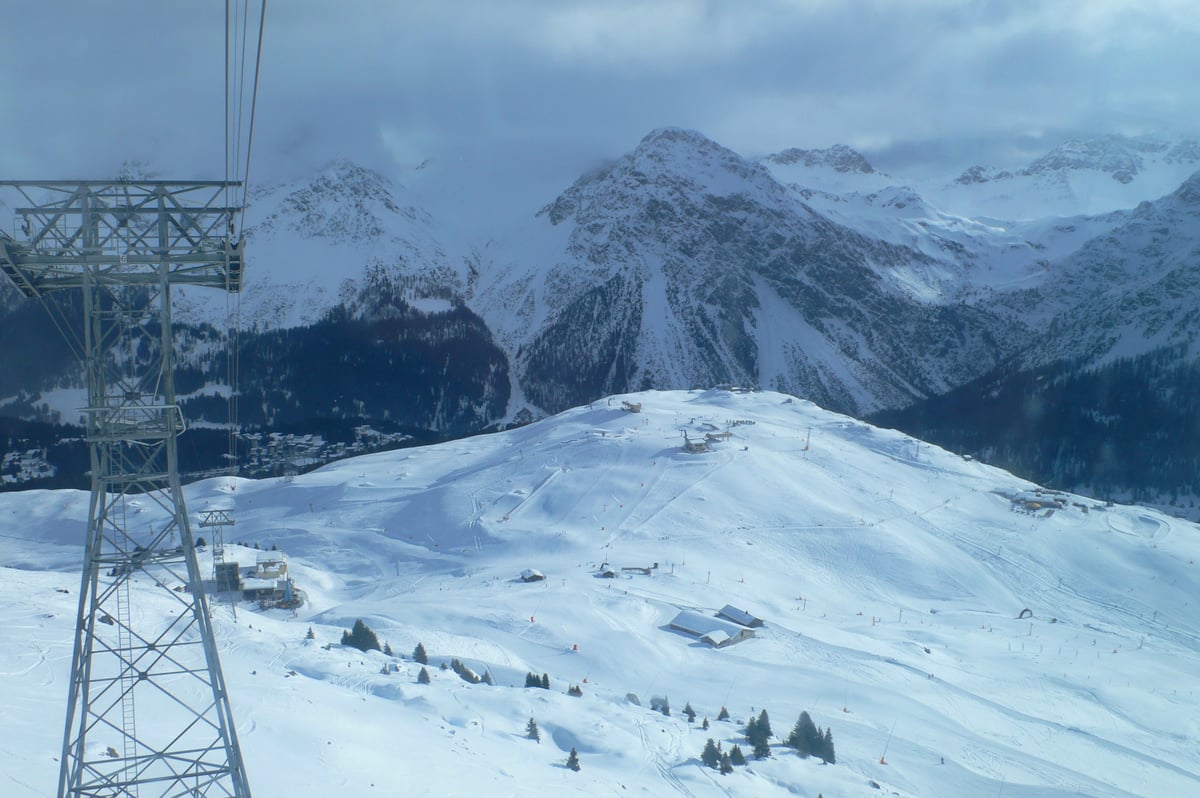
(890, 575)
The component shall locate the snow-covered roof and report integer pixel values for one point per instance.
(739, 616)
(699, 624)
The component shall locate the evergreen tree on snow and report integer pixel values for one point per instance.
(805, 737)
(710, 756)
(575, 690)
(723, 714)
(532, 680)
(827, 755)
(573, 760)
(311, 635)
(704, 725)
(726, 765)
(758, 734)
(423, 676)
(387, 649)
(545, 681)
(419, 654)
(361, 637)
(736, 756)
(689, 712)
(531, 731)
(764, 725)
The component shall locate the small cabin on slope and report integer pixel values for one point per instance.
(732, 613)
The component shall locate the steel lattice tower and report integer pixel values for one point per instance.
(148, 712)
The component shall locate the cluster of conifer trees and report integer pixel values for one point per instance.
(806, 738)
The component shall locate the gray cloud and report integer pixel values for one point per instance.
(544, 88)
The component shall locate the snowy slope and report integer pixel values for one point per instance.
(890, 575)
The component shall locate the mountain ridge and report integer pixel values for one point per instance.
(680, 264)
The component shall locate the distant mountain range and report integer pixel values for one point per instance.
(684, 265)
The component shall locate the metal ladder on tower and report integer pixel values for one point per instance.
(126, 681)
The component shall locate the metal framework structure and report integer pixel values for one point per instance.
(148, 712)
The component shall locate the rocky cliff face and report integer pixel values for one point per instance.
(684, 265)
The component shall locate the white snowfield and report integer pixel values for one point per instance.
(890, 576)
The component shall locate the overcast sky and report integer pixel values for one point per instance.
(558, 86)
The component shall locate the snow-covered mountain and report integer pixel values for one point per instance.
(315, 241)
(1130, 291)
(959, 631)
(684, 264)
(1078, 177)
(681, 264)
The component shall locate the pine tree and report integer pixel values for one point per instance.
(575, 690)
(545, 681)
(423, 676)
(689, 712)
(532, 680)
(710, 756)
(531, 731)
(361, 637)
(764, 725)
(726, 766)
(723, 714)
(704, 725)
(573, 760)
(387, 649)
(804, 737)
(419, 655)
(736, 756)
(827, 754)
(311, 635)
(758, 734)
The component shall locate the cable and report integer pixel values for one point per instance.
(235, 59)
(262, 23)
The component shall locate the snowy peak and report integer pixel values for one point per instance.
(344, 203)
(312, 243)
(666, 164)
(980, 174)
(1078, 177)
(685, 154)
(833, 171)
(839, 157)
(1120, 157)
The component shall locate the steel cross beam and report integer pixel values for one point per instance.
(148, 711)
(122, 233)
